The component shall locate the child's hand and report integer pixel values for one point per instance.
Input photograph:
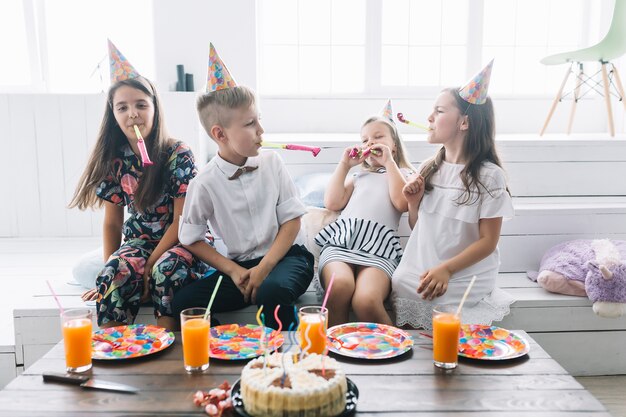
(351, 162)
(381, 154)
(434, 282)
(257, 276)
(413, 190)
(240, 277)
(145, 294)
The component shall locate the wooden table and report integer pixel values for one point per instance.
(408, 385)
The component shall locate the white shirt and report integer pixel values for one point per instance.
(245, 212)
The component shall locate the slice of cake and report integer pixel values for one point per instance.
(307, 388)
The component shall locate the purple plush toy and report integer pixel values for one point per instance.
(593, 268)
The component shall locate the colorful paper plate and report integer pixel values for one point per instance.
(368, 340)
(352, 398)
(133, 341)
(491, 343)
(234, 342)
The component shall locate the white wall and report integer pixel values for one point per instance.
(183, 30)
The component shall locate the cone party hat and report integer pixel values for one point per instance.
(219, 77)
(119, 66)
(475, 91)
(387, 111)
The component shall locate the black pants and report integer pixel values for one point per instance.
(289, 279)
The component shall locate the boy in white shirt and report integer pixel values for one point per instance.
(251, 202)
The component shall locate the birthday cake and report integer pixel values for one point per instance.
(284, 387)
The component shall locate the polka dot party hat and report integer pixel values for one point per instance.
(120, 67)
(387, 111)
(475, 91)
(219, 77)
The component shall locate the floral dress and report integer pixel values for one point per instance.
(120, 283)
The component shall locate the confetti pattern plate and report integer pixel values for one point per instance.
(234, 342)
(490, 343)
(368, 340)
(126, 342)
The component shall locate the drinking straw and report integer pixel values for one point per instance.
(208, 307)
(55, 297)
(330, 286)
(469, 287)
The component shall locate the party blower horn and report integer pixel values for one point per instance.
(142, 147)
(356, 152)
(313, 149)
(410, 123)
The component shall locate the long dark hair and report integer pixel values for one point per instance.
(479, 146)
(110, 138)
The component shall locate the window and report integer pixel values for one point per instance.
(77, 57)
(15, 69)
(312, 46)
(50, 51)
(395, 47)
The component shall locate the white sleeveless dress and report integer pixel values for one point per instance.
(443, 230)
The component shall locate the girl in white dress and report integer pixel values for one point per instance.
(362, 248)
(456, 206)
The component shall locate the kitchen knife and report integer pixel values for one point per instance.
(88, 382)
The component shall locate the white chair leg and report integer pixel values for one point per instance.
(579, 82)
(555, 102)
(607, 99)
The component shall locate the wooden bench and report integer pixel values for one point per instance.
(563, 189)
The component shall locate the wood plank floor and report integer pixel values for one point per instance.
(609, 390)
(26, 260)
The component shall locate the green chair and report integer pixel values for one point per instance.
(611, 47)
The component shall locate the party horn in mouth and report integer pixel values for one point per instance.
(408, 122)
(357, 152)
(313, 149)
(142, 147)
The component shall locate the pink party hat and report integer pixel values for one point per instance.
(475, 91)
(120, 67)
(219, 77)
(387, 111)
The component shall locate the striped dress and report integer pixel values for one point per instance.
(366, 231)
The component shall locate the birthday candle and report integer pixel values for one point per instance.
(280, 324)
(258, 320)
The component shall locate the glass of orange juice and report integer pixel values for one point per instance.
(195, 329)
(312, 329)
(76, 328)
(446, 328)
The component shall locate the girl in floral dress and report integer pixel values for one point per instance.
(151, 186)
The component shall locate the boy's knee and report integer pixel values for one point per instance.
(272, 292)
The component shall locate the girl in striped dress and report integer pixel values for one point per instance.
(361, 249)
